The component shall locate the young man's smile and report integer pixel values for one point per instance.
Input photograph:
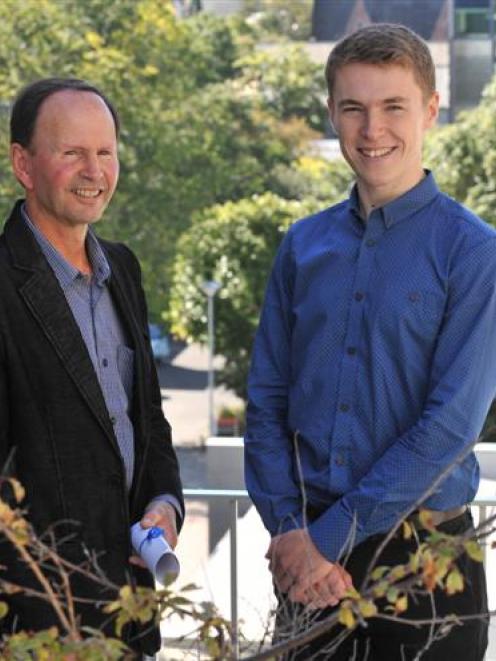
(376, 153)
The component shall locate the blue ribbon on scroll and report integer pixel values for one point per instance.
(153, 533)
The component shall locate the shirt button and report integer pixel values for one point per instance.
(351, 351)
(113, 420)
(339, 460)
(344, 407)
(358, 296)
(105, 362)
(370, 243)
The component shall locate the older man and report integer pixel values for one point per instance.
(81, 422)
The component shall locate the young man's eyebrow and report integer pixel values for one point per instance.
(396, 99)
(349, 102)
(354, 102)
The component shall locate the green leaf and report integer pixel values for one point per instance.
(454, 582)
(407, 530)
(19, 490)
(367, 608)
(346, 617)
(425, 519)
(398, 572)
(379, 572)
(392, 595)
(352, 593)
(189, 587)
(380, 589)
(414, 562)
(401, 604)
(474, 550)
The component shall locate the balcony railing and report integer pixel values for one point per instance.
(234, 496)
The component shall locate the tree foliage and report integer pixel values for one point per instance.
(463, 157)
(234, 243)
(280, 17)
(197, 128)
(288, 83)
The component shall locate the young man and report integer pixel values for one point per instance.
(375, 361)
(81, 422)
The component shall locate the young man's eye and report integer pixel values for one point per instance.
(351, 109)
(395, 108)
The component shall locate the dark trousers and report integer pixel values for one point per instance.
(383, 640)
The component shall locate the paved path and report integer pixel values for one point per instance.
(185, 394)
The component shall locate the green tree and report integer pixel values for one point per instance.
(463, 156)
(288, 82)
(234, 244)
(313, 177)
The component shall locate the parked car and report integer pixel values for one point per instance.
(161, 346)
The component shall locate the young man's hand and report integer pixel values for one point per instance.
(301, 571)
(323, 594)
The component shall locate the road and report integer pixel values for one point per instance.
(184, 387)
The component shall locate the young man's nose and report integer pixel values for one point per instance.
(373, 125)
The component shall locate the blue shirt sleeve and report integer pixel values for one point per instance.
(269, 471)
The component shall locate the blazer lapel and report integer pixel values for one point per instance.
(55, 317)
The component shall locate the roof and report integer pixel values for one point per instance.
(333, 19)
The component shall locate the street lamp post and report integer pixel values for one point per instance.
(210, 288)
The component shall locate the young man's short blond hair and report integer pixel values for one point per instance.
(384, 44)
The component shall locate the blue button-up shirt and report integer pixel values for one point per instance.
(374, 366)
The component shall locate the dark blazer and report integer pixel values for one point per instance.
(55, 431)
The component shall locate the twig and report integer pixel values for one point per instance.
(429, 491)
(54, 602)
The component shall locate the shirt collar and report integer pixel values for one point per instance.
(66, 273)
(403, 206)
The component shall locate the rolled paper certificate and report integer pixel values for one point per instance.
(151, 545)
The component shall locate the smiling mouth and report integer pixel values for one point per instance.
(88, 193)
(376, 153)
